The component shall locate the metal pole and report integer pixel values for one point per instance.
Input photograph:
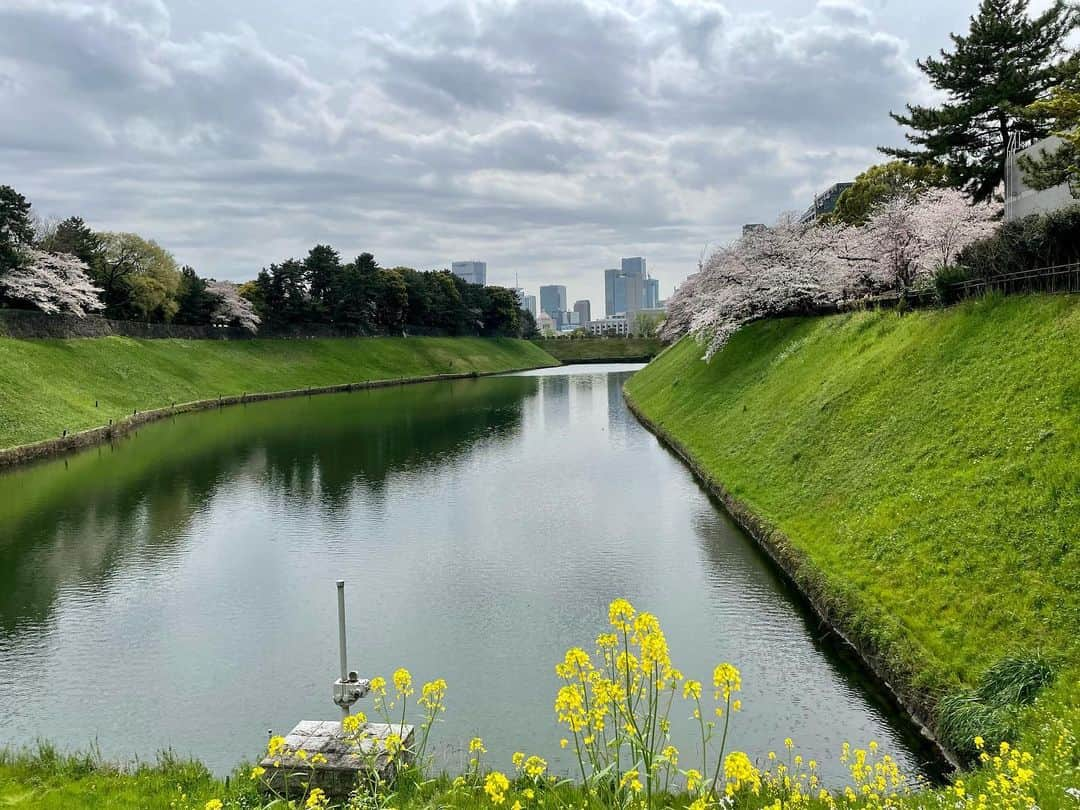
(341, 637)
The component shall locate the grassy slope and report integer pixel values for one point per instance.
(575, 351)
(47, 386)
(927, 464)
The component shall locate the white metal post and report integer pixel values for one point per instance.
(341, 637)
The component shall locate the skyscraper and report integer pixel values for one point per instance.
(652, 293)
(553, 300)
(634, 266)
(584, 310)
(472, 272)
(611, 293)
(529, 303)
(624, 288)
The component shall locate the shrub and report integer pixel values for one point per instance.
(1039, 240)
(944, 278)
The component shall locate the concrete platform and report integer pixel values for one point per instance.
(345, 762)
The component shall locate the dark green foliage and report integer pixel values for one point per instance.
(528, 325)
(880, 183)
(283, 294)
(75, 237)
(195, 302)
(944, 278)
(16, 229)
(502, 315)
(1005, 62)
(322, 267)
(993, 709)
(1040, 240)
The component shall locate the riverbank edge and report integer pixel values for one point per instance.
(91, 437)
(810, 584)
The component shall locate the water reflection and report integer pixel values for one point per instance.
(76, 520)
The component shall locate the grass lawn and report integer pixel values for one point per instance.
(926, 466)
(48, 386)
(570, 350)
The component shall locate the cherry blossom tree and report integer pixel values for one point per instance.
(783, 270)
(232, 308)
(51, 282)
(906, 241)
(796, 267)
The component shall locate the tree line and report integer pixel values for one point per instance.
(68, 267)
(362, 297)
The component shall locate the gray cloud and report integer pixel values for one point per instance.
(549, 136)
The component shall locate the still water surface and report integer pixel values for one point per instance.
(177, 589)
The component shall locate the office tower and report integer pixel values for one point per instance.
(652, 293)
(553, 300)
(584, 310)
(472, 272)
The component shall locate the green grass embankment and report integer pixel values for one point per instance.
(925, 471)
(48, 386)
(596, 350)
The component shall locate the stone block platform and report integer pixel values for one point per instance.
(291, 771)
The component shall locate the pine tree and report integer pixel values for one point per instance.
(1007, 61)
(16, 228)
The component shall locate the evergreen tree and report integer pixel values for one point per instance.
(16, 229)
(1007, 61)
(323, 270)
(195, 302)
(75, 237)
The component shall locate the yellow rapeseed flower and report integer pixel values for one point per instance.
(739, 773)
(213, 804)
(693, 780)
(621, 614)
(535, 767)
(476, 745)
(495, 786)
(275, 746)
(317, 800)
(432, 695)
(403, 682)
(394, 745)
(257, 771)
(632, 780)
(726, 679)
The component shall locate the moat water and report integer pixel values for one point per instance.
(176, 589)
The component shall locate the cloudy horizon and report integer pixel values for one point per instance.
(548, 138)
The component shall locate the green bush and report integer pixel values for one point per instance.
(1040, 240)
(944, 278)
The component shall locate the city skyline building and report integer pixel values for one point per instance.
(473, 272)
(652, 293)
(553, 300)
(624, 288)
(529, 303)
(583, 307)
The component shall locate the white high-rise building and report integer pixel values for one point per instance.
(472, 272)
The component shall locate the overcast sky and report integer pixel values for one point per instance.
(548, 137)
